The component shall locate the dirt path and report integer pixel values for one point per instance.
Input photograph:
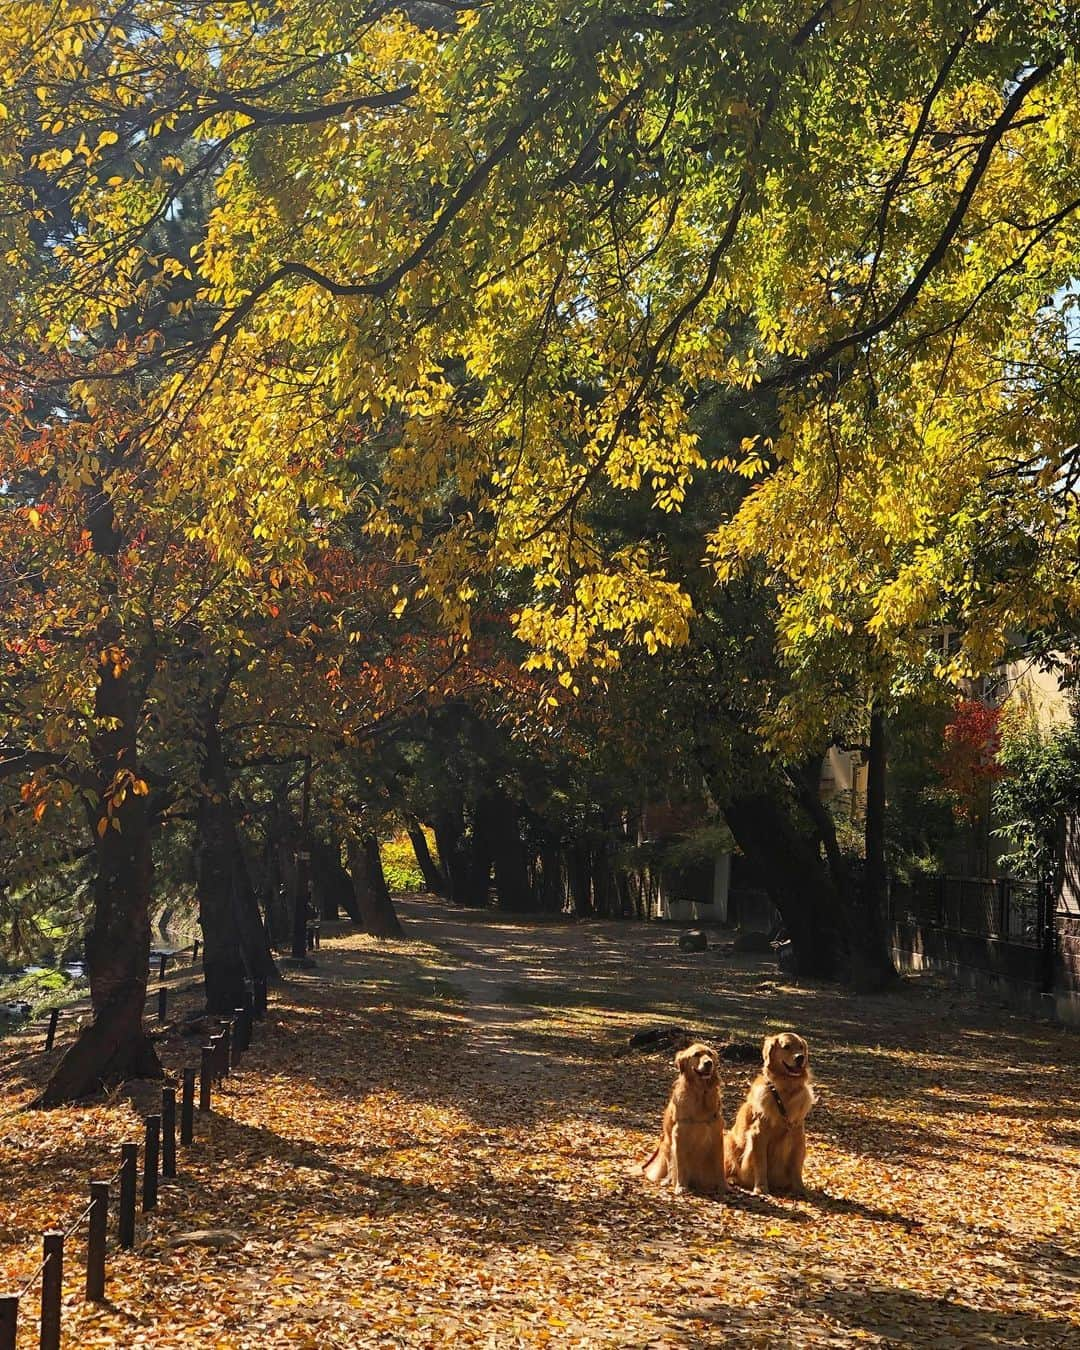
(431, 1143)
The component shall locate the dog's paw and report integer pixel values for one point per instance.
(760, 1190)
(678, 1189)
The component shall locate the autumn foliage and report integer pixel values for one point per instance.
(969, 763)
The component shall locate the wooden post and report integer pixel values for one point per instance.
(9, 1321)
(226, 1048)
(50, 1035)
(168, 1132)
(129, 1171)
(206, 1075)
(162, 1003)
(187, 1108)
(161, 966)
(150, 1163)
(215, 1057)
(96, 1240)
(52, 1282)
(240, 1040)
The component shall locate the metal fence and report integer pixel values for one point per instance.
(1007, 908)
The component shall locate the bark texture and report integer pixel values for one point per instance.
(376, 907)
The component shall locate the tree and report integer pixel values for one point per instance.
(505, 252)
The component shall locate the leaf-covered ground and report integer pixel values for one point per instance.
(432, 1143)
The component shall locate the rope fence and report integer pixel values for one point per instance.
(161, 961)
(159, 1159)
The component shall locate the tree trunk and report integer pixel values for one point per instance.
(580, 869)
(481, 850)
(333, 885)
(223, 959)
(275, 889)
(450, 842)
(605, 890)
(512, 887)
(372, 895)
(433, 878)
(873, 966)
(283, 842)
(551, 878)
(235, 944)
(790, 866)
(114, 1047)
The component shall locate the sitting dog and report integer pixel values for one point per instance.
(691, 1148)
(766, 1147)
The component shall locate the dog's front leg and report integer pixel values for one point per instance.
(759, 1161)
(677, 1171)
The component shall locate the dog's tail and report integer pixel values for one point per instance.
(731, 1159)
(655, 1168)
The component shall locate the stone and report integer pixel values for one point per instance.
(218, 1238)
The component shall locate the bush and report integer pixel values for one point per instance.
(43, 990)
(399, 864)
(1040, 787)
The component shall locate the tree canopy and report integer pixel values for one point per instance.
(352, 354)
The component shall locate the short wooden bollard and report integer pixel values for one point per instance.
(52, 1283)
(50, 1035)
(162, 1002)
(206, 1075)
(168, 1132)
(239, 1044)
(162, 963)
(129, 1177)
(187, 1108)
(150, 1163)
(95, 1243)
(258, 990)
(9, 1321)
(216, 1067)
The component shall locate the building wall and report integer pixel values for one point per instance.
(695, 895)
(1036, 691)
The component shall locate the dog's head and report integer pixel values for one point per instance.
(698, 1062)
(786, 1055)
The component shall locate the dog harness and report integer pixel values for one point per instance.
(779, 1102)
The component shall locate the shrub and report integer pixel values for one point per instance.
(399, 864)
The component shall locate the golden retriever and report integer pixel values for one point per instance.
(766, 1147)
(691, 1148)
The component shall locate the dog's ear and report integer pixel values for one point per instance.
(766, 1049)
(682, 1059)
